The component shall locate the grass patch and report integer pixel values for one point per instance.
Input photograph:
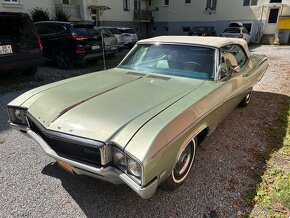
(272, 196)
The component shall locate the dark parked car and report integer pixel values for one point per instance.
(20, 48)
(203, 31)
(66, 42)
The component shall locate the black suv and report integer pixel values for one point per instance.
(66, 42)
(20, 48)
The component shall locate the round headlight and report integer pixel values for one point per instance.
(18, 115)
(119, 159)
(134, 168)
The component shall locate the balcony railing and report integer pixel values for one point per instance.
(142, 16)
(73, 11)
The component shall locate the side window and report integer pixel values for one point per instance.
(231, 55)
(240, 55)
(45, 28)
(59, 29)
(228, 59)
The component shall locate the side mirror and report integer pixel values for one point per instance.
(235, 68)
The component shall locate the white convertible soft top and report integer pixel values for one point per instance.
(198, 40)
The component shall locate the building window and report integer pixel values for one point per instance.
(65, 2)
(137, 5)
(187, 2)
(166, 2)
(250, 2)
(11, 1)
(154, 29)
(186, 30)
(211, 5)
(275, 1)
(166, 29)
(126, 5)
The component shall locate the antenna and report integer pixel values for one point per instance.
(103, 48)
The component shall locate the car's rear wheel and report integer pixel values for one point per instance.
(246, 100)
(182, 167)
(63, 60)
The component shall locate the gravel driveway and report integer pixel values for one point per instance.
(31, 185)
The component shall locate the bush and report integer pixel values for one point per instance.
(39, 14)
(60, 15)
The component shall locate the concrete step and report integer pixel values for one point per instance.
(267, 39)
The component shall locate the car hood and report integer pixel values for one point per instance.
(101, 106)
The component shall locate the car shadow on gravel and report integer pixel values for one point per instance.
(222, 183)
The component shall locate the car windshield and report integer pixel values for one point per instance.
(232, 30)
(176, 60)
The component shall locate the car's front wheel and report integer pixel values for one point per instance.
(182, 167)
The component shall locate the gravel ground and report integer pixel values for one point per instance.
(31, 185)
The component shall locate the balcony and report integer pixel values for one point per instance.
(74, 11)
(143, 16)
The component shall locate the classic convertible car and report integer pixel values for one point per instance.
(141, 122)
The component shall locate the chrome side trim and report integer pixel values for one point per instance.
(18, 127)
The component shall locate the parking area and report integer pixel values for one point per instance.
(48, 72)
(32, 185)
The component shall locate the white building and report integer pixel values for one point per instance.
(26, 5)
(178, 16)
(264, 19)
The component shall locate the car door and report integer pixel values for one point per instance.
(232, 79)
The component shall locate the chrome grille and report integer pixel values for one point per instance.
(69, 148)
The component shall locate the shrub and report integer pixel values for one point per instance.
(61, 15)
(39, 14)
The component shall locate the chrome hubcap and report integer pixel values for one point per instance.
(183, 161)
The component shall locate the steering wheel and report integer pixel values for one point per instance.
(193, 66)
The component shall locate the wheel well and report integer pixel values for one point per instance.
(202, 135)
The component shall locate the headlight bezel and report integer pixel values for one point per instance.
(137, 179)
(14, 112)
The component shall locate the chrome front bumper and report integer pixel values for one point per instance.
(108, 173)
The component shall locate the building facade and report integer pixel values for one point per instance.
(26, 5)
(177, 17)
(173, 17)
